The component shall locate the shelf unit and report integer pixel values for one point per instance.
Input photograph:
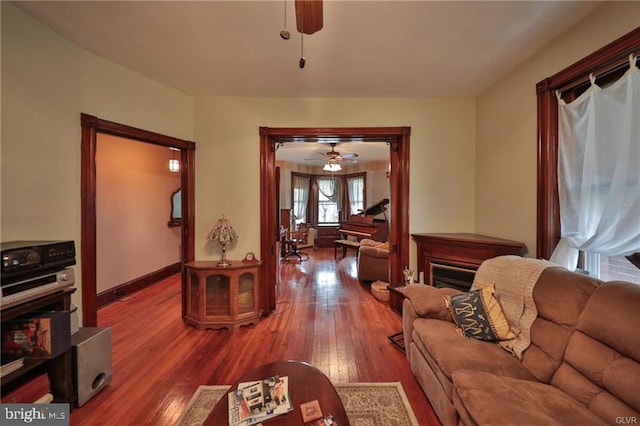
(60, 368)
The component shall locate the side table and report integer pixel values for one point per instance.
(397, 338)
(222, 296)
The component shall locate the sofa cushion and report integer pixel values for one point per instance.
(486, 399)
(560, 297)
(449, 351)
(478, 314)
(601, 366)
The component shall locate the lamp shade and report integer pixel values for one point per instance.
(223, 232)
(174, 165)
(335, 167)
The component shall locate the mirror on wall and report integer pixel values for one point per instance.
(176, 209)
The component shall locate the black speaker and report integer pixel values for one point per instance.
(91, 347)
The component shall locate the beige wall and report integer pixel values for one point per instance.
(47, 81)
(228, 158)
(506, 151)
(133, 205)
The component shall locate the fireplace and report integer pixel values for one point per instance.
(443, 275)
(452, 259)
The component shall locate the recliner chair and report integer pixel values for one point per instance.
(373, 261)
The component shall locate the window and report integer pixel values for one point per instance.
(328, 196)
(329, 200)
(355, 188)
(608, 64)
(611, 268)
(300, 188)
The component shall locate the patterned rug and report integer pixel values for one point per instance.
(366, 404)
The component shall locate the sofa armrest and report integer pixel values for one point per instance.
(428, 301)
(422, 301)
(408, 317)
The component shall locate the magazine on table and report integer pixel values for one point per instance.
(254, 402)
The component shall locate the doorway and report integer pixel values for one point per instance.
(91, 126)
(398, 139)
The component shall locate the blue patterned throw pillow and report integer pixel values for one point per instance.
(478, 314)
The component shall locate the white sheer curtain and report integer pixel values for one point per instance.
(330, 189)
(355, 191)
(599, 171)
(300, 197)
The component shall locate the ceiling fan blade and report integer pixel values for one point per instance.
(309, 16)
(349, 155)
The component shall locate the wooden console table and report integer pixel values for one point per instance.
(460, 252)
(222, 296)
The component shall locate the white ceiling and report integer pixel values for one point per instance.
(314, 154)
(366, 48)
(378, 48)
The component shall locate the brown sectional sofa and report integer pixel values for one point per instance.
(581, 368)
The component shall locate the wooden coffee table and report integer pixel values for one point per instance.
(306, 383)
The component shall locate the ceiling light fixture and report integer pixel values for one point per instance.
(174, 163)
(332, 166)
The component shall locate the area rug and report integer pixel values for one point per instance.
(366, 404)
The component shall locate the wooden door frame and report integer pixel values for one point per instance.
(398, 139)
(91, 126)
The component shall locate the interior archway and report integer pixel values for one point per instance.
(91, 126)
(398, 139)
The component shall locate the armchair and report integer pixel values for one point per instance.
(373, 261)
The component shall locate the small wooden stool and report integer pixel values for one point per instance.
(345, 244)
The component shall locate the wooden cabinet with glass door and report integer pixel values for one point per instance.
(222, 296)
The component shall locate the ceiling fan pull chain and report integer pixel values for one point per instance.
(303, 61)
(284, 33)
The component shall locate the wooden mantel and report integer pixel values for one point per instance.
(461, 249)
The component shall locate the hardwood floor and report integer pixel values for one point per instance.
(324, 316)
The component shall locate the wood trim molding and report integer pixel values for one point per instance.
(398, 138)
(612, 56)
(106, 297)
(91, 126)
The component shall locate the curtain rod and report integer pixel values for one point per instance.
(599, 72)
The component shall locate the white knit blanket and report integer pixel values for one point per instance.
(514, 278)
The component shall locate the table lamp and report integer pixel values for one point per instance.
(223, 233)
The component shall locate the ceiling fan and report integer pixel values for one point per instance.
(308, 16)
(308, 21)
(334, 156)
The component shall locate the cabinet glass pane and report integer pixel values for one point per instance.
(217, 296)
(192, 306)
(245, 293)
